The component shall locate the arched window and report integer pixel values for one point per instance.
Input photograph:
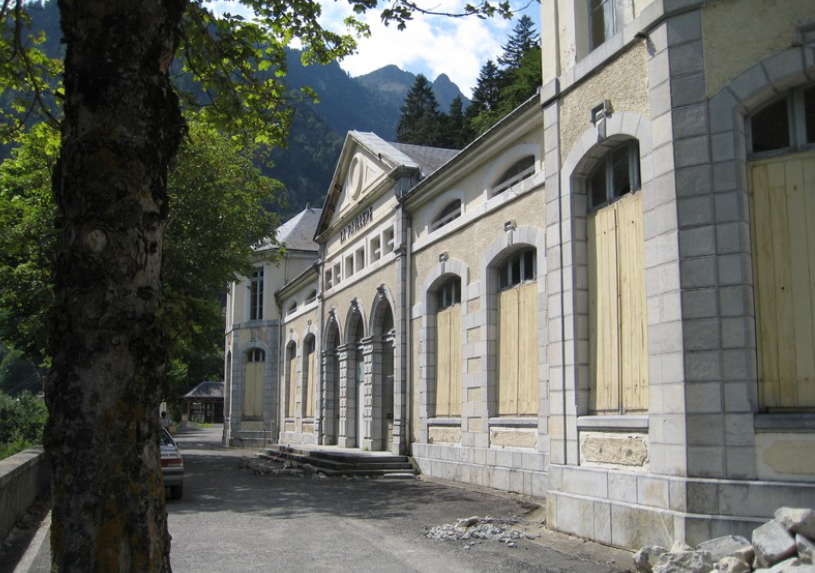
(786, 124)
(450, 212)
(616, 175)
(618, 350)
(518, 335)
(519, 170)
(448, 349)
(292, 307)
(312, 296)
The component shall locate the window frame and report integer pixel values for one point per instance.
(451, 212)
(606, 166)
(448, 294)
(515, 174)
(798, 138)
(256, 286)
(527, 269)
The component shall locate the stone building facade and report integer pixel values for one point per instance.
(605, 300)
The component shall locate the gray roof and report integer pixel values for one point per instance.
(427, 158)
(297, 234)
(206, 390)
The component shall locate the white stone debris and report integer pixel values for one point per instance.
(482, 529)
(785, 544)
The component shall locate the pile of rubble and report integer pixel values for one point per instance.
(506, 530)
(784, 545)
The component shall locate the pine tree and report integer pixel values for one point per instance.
(420, 120)
(523, 39)
(457, 132)
(522, 82)
(483, 112)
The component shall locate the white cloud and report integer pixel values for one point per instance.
(431, 45)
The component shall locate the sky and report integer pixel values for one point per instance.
(431, 45)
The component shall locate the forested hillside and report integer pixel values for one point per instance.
(367, 103)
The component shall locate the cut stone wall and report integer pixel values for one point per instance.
(23, 478)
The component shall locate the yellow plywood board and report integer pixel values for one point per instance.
(253, 390)
(448, 362)
(310, 384)
(783, 215)
(508, 352)
(618, 336)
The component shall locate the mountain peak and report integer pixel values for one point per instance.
(392, 84)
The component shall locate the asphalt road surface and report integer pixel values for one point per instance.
(232, 520)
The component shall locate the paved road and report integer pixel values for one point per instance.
(234, 521)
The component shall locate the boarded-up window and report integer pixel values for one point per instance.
(783, 213)
(309, 377)
(253, 384)
(448, 362)
(291, 380)
(518, 349)
(618, 345)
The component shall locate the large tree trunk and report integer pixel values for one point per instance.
(122, 127)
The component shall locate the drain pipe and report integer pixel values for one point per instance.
(408, 342)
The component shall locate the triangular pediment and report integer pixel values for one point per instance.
(363, 171)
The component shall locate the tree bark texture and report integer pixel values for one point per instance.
(121, 129)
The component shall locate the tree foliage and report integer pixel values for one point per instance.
(420, 122)
(220, 202)
(22, 420)
(18, 373)
(501, 87)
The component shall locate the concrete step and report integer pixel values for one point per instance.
(345, 463)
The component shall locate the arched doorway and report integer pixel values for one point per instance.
(331, 385)
(353, 429)
(382, 366)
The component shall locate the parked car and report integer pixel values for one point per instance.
(172, 465)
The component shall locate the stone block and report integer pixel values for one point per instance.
(701, 334)
(703, 366)
(652, 492)
(690, 121)
(700, 303)
(688, 90)
(702, 497)
(724, 546)
(622, 487)
(698, 272)
(737, 333)
(693, 151)
(684, 562)
(687, 58)
(636, 527)
(790, 565)
(797, 520)
(646, 558)
(733, 237)
(784, 70)
(805, 548)
(684, 28)
(752, 87)
(706, 461)
(736, 300)
(734, 269)
(772, 543)
(732, 565)
(697, 241)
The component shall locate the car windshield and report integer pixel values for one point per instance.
(166, 440)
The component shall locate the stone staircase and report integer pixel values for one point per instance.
(342, 462)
